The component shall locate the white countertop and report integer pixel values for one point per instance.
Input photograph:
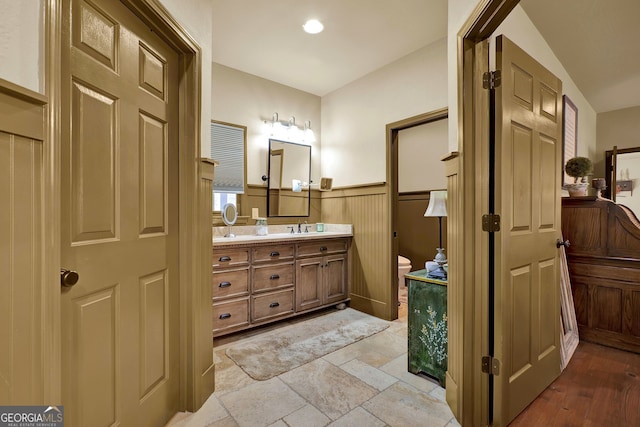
(278, 233)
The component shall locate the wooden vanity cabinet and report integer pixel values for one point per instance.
(322, 272)
(230, 282)
(257, 283)
(272, 282)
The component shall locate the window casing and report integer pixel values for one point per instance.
(228, 147)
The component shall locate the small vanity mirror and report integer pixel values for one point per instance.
(623, 177)
(289, 178)
(229, 216)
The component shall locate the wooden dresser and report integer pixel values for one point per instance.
(260, 282)
(604, 267)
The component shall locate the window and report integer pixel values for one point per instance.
(228, 149)
(221, 199)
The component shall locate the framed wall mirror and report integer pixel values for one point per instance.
(623, 177)
(288, 179)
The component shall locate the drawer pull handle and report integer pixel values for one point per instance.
(274, 277)
(274, 304)
(275, 253)
(224, 259)
(224, 284)
(323, 248)
(225, 316)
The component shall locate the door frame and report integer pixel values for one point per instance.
(196, 370)
(392, 132)
(472, 402)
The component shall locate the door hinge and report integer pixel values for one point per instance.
(491, 223)
(491, 79)
(490, 365)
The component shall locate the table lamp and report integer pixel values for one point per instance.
(438, 207)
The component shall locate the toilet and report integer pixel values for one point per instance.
(404, 267)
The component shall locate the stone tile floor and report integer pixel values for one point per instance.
(363, 384)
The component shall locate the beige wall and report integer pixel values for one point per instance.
(349, 123)
(21, 43)
(420, 153)
(620, 128)
(247, 100)
(196, 16)
(354, 117)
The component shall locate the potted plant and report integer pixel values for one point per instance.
(578, 168)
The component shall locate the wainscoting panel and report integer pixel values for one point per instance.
(20, 263)
(367, 209)
(201, 358)
(455, 294)
(21, 241)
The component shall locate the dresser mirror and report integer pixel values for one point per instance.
(623, 177)
(288, 179)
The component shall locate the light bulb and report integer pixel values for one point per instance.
(313, 26)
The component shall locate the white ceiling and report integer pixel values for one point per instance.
(598, 41)
(265, 38)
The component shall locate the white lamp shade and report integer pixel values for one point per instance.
(437, 204)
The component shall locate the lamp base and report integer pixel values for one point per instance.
(440, 258)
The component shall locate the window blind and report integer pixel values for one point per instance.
(227, 148)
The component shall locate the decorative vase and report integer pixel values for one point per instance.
(577, 189)
(440, 258)
(600, 185)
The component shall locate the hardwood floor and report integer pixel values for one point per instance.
(599, 387)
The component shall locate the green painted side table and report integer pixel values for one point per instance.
(427, 319)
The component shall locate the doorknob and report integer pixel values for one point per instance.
(559, 243)
(68, 278)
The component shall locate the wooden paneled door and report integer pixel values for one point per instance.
(119, 218)
(528, 150)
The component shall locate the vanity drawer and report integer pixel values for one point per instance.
(269, 277)
(273, 253)
(230, 283)
(322, 247)
(231, 314)
(273, 304)
(225, 258)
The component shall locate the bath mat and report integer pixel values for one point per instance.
(276, 352)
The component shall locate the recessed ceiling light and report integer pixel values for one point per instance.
(313, 26)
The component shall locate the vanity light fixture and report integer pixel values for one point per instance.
(292, 129)
(307, 133)
(313, 26)
(288, 130)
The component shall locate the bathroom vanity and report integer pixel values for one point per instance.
(261, 279)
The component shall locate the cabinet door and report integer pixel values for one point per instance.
(335, 278)
(309, 283)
